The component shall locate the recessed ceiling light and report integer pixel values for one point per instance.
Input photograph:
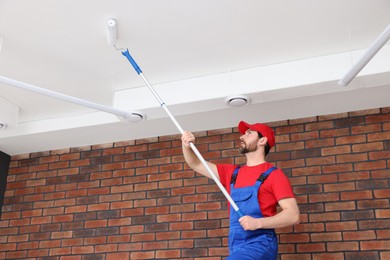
(3, 125)
(136, 117)
(237, 101)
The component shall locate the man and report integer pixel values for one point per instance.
(253, 235)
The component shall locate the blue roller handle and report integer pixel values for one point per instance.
(239, 213)
(132, 61)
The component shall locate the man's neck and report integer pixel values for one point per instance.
(253, 159)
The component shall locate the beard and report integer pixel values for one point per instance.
(244, 148)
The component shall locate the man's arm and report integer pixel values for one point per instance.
(191, 158)
(288, 216)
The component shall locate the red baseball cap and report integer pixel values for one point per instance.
(264, 130)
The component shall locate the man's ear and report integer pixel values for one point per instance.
(263, 141)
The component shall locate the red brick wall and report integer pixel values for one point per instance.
(139, 200)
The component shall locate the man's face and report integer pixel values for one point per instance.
(249, 142)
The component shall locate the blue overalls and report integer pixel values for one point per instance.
(250, 245)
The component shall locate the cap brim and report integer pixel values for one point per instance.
(243, 126)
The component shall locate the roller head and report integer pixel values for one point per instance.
(111, 32)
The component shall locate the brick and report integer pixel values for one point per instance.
(342, 246)
(40, 220)
(334, 133)
(207, 242)
(130, 247)
(122, 204)
(309, 227)
(351, 176)
(23, 245)
(155, 245)
(95, 223)
(385, 255)
(307, 189)
(296, 256)
(323, 217)
(82, 250)
(156, 227)
(168, 254)
(379, 155)
(291, 146)
(306, 171)
(373, 204)
(50, 244)
(328, 256)
(106, 248)
(359, 235)
(118, 239)
(17, 238)
(341, 149)
(324, 237)
(107, 231)
(375, 245)
(97, 207)
(374, 224)
(382, 213)
(380, 136)
(323, 197)
(362, 214)
(326, 142)
(144, 219)
(353, 139)
(382, 193)
(38, 253)
(61, 235)
(14, 255)
(143, 237)
(196, 252)
(370, 165)
(361, 255)
(84, 233)
(311, 247)
(172, 235)
(339, 187)
(323, 160)
(142, 255)
(61, 251)
(357, 195)
(195, 216)
(294, 238)
(326, 178)
(116, 256)
(341, 226)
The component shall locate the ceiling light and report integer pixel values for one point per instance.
(237, 101)
(135, 117)
(3, 125)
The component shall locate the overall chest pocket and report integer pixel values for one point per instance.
(242, 197)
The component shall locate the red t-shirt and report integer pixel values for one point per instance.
(275, 187)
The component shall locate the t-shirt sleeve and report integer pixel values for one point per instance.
(281, 186)
(225, 172)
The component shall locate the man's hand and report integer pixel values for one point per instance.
(249, 223)
(187, 138)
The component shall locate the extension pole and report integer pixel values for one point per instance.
(193, 147)
(71, 99)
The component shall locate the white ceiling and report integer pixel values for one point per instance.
(285, 55)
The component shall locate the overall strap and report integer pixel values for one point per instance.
(264, 176)
(234, 175)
